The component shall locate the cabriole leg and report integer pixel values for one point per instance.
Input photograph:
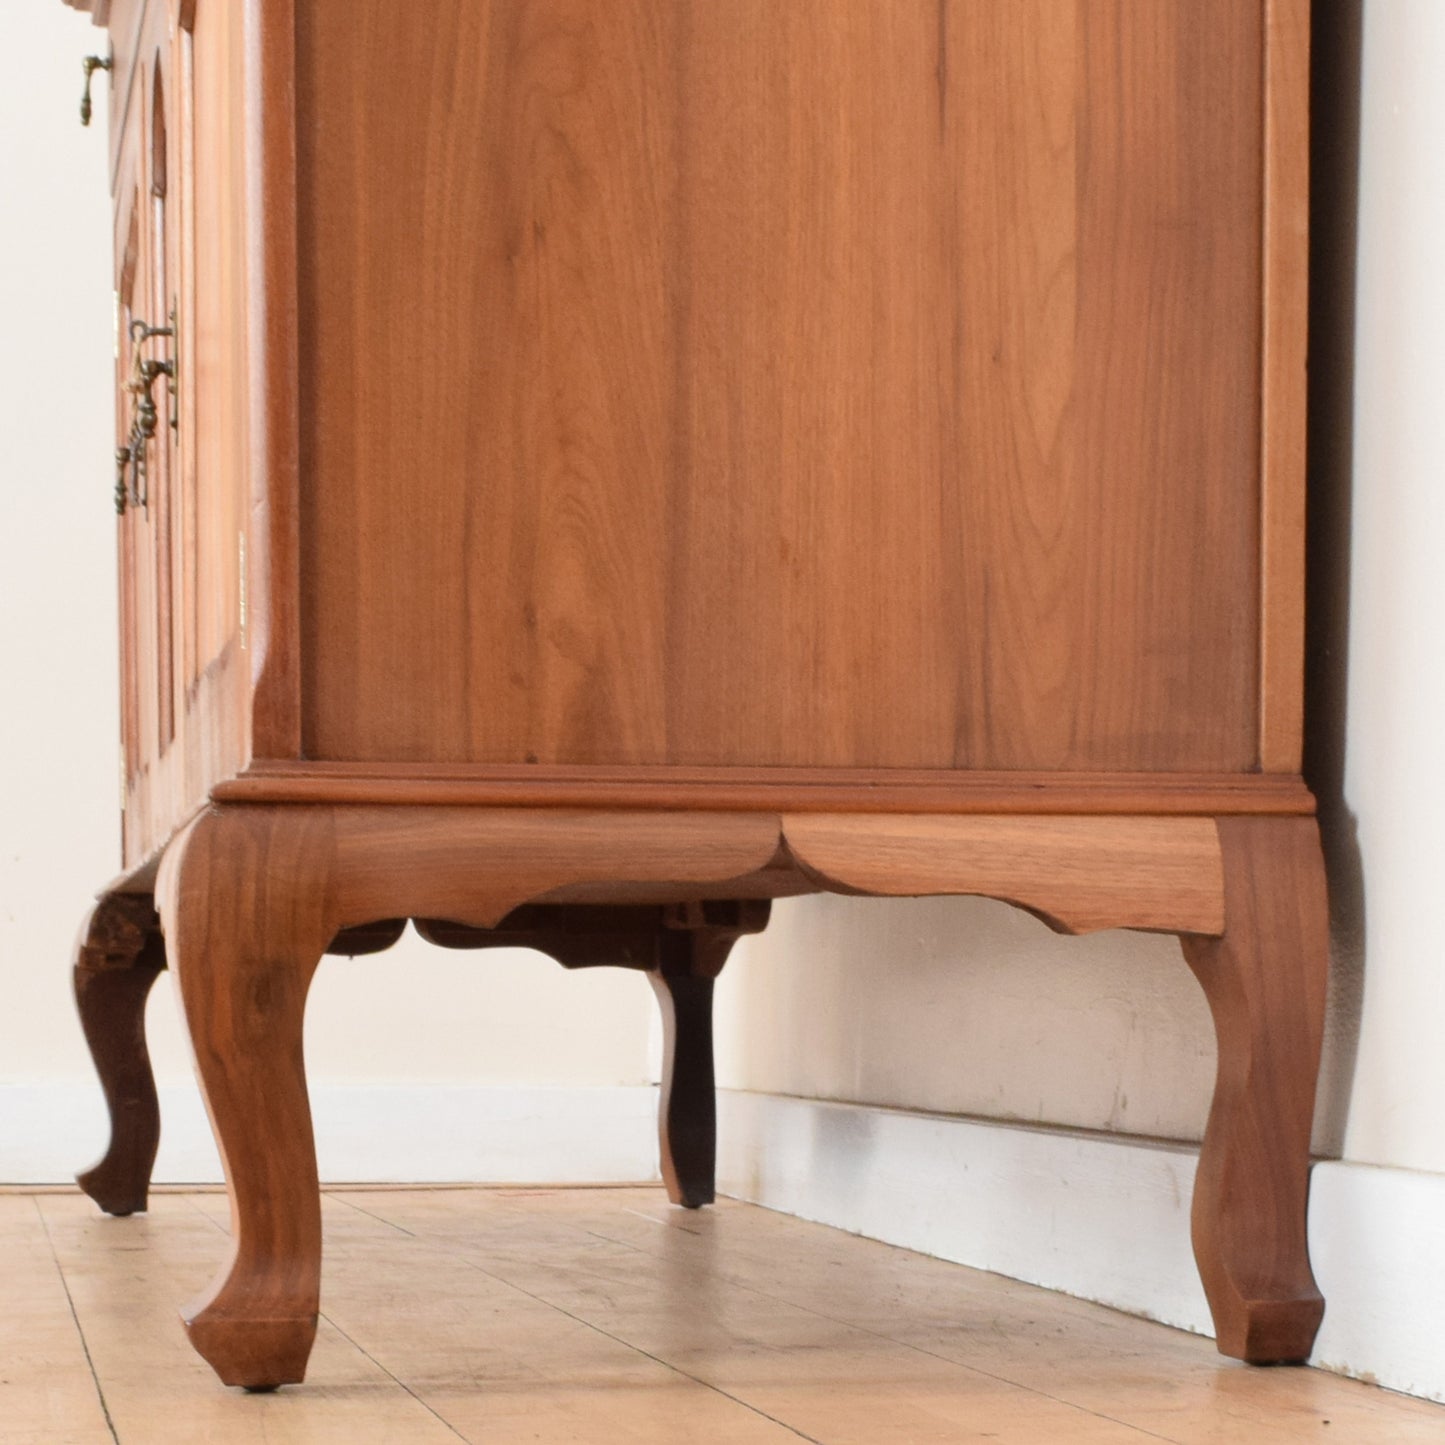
(694, 946)
(118, 957)
(243, 897)
(1265, 981)
(687, 1108)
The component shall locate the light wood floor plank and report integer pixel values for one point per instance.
(498, 1364)
(502, 1365)
(48, 1395)
(128, 1277)
(1134, 1375)
(1164, 1381)
(826, 1379)
(608, 1318)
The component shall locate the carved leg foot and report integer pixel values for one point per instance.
(694, 946)
(243, 896)
(1265, 982)
(118, 957)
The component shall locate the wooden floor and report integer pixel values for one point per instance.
(603, 1315)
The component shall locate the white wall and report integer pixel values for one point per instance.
(414, 1015)
(59, 785)
(967, 1006)
(1395, 757)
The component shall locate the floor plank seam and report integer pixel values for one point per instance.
(463, 1257)
(740, 1284)
(357, 1345)
(214, 1223)
(380, 1219)
(467, 1256)
(80, 1332)
(646, 1354)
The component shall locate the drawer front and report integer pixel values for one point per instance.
(760, 384)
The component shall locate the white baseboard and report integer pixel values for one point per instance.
(1377, 1239)
(370, 1133)
(1102, 1217)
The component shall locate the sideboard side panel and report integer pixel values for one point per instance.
(868, 385)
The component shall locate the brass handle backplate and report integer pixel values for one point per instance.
(143, 375)
(90, 65)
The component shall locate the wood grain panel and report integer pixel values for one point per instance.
(486, 376)
(163, 193)
(140, 555)
(866, 385)
(129, 571)
(1109, 386)
(475, 865)
(1077, 874)
(1024, 506)
(221, 393)
(1170, 386)
(1286, 322)
(204, 477)
(810, 572)
(270, 570)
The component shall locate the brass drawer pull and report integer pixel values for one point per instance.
(90, 65)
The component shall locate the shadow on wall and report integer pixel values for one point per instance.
(967, 1006)
(1334, 171)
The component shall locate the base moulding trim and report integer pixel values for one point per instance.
(1101, 1217)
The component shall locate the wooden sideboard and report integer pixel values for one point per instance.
(588, 469)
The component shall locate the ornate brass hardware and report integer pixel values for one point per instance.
(144, 372)
(90, 65)
(122, 492)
